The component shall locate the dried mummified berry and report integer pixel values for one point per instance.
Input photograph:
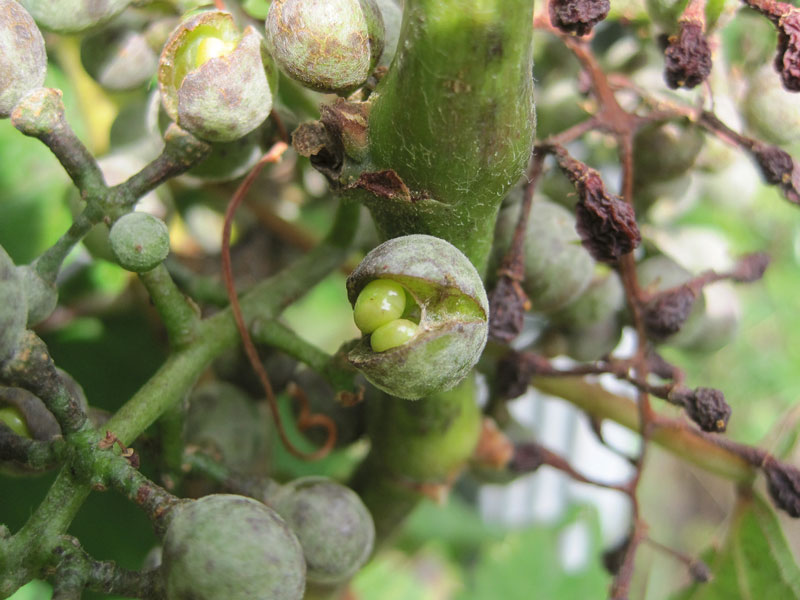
(700, 571)
(514, 372)
(705, 406)
(777, 167)
(751, 267)
(444, 292)
(787, 60)
(666, 312)
(606, 224)
(578, 16)
(687, 57)
(783, 484)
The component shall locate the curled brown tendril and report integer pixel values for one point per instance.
(306, 419)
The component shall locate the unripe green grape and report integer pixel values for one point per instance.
(334, 527)
(326, 45)
(453, 316)
(73, 16)
(381, 301)
(140, 241)
(392, 334)
(231, 547)
(23, 61)
(603, 298)
(12, 417)
(216, 82)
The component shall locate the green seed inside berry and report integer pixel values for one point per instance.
(380, 302)
(392, 334)
(202, 44)
(12, 417)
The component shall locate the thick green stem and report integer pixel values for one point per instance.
(454, 119)
(418, 449)
(180, 316)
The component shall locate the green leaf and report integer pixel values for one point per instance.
(755, 562)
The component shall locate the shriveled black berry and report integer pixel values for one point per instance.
(707, 407)
(776, 164)
(506, 310)
(700, 571)
(751, 267)
(783, 484)
(787, 60)
(687, 57)
(527, 458)
(606, 224)
(666, 312)
(578, 16)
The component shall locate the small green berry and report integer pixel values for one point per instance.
(72, 16)
(12, 417)
(139, 241)
(392, 334)
(380, 302)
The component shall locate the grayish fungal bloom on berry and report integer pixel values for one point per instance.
(446, 300)
(327, 45)
(13, 306)
(334, 527)
(23, 61)
(232, 547)
(139, 241)
(72, 16)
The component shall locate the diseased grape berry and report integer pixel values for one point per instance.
(334, 527)
(216, 82)
(232, 547)
(326, 45)
(443, 285)
(140, 241)
(119, 57)
(23, 61)
(73, 16)
(557, 268)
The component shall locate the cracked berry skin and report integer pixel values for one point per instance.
(232, 547)
(453, 316)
